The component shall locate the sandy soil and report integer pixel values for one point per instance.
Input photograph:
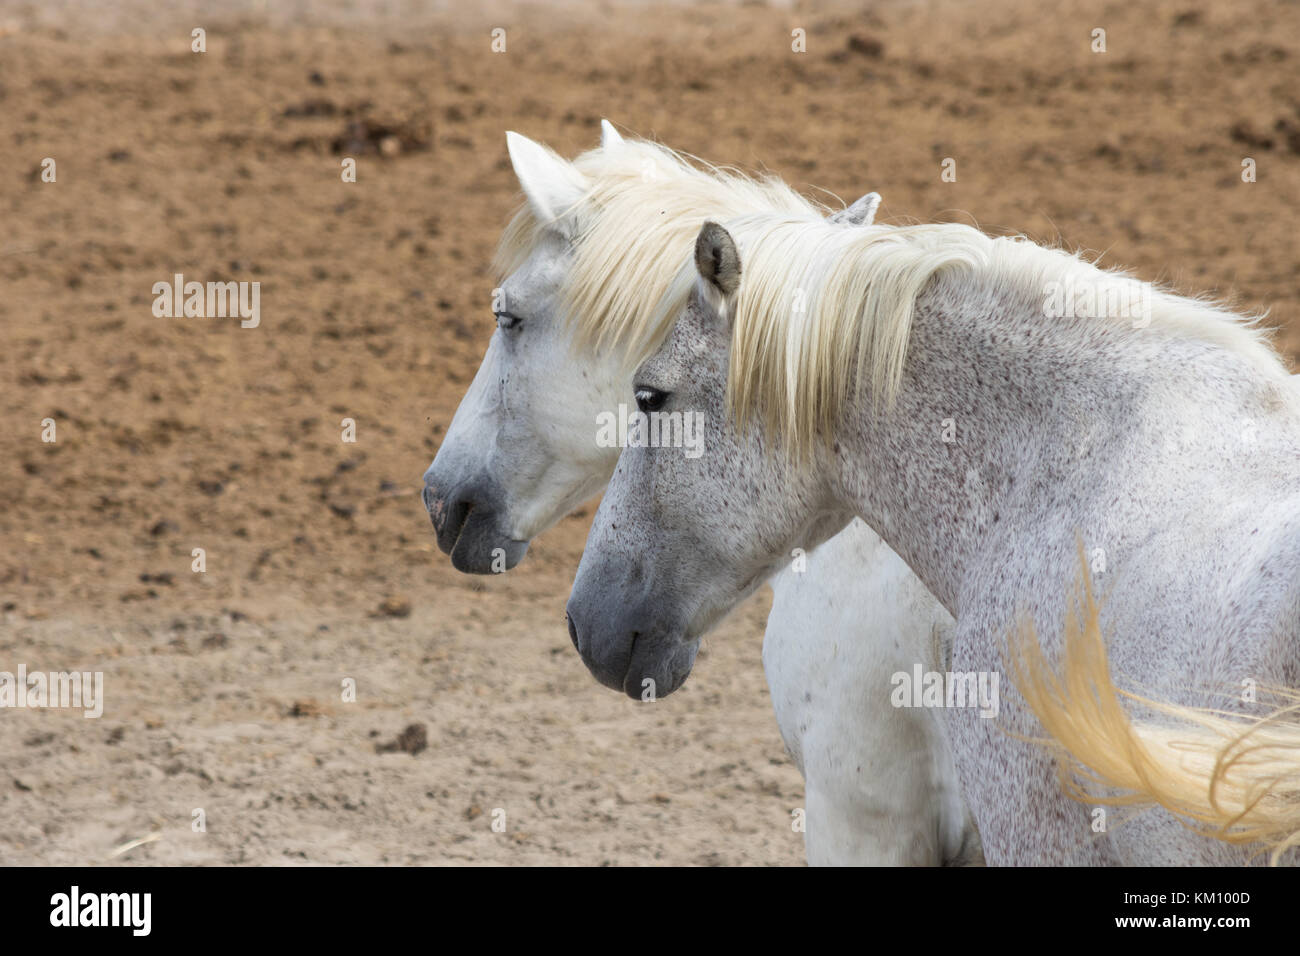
(223, 689)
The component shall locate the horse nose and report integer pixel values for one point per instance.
(434, 503)
(447, 513)
(571, 617)
(605, 650)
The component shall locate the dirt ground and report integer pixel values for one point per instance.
(223, 688)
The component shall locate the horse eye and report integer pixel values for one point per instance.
(506, 321)
(650, 399)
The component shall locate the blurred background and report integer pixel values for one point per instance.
(223, 688)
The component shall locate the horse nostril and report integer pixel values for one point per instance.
(436, 506)
(449, 515)
(573, 632)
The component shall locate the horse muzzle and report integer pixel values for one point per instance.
(467, 523)
(626, 649)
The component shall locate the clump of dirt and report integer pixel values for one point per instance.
(412, 740)
(366, 136)
(394, 606)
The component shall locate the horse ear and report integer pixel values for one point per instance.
(716, 258)
(552, 184)
(609, 137)
(861, 213)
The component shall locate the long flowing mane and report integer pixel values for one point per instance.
(635, 224)
(823, 313)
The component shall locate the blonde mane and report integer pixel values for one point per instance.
(630, 230)
(823, 314)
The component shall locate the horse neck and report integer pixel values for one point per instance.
(1042, 414)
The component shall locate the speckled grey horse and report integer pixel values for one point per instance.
(993, 409)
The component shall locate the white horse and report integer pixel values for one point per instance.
(522, 451)
(996, 411)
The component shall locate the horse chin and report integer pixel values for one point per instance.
(482, 549)
(667, 663)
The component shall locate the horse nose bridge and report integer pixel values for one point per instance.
(446, 478)
(621, 564)
(430, 479)
(607, 592)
